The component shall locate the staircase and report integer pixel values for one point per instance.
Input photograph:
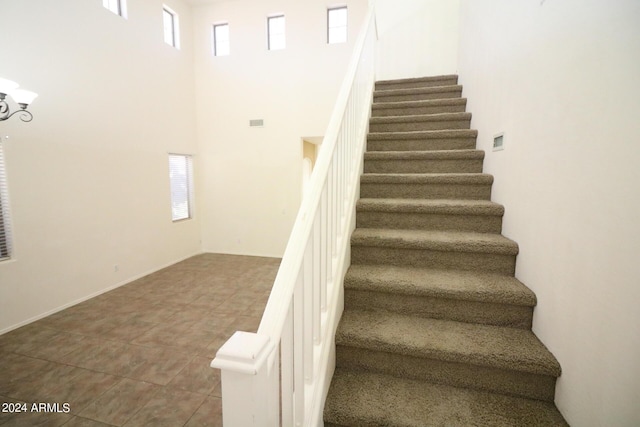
(436, 329)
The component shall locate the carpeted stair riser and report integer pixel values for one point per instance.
(414, 108)
(426, 186)
(444, 121)
(422, 141)
(512, 383)
(452, 161)
(448, 80)
(368, 399)
(514, 316)
(419, 94)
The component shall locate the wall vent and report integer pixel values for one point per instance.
(256, 123)
(498, 142)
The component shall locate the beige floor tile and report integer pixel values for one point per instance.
(95, 354)
(37, 419)
(208, 415)
(129, 331)
(84, 422)
(30, 336)
(198, 376)
(50, 344)
(81, 389)
(126, 360)
(161, 366)
(18, 372)
(37, 385)
(121, 402)
(168, 408)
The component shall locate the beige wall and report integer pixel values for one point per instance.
(88, 176)
(417, 38)
(560, 78)
(252, 177)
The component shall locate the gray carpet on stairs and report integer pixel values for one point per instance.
(436, 329)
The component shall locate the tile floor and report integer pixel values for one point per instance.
(138, 355)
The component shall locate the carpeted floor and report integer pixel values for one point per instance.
(138, 355)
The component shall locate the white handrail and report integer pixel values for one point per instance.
(280, 375)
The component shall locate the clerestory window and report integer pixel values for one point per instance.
(118, 7)
(171, 32)
(337, 25)
(276, 32)
(221, 39)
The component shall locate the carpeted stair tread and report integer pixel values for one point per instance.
(424, 134)
(428, 178)
(415, 104)
(431, 206)
(439, 117)
(425, 155)
(415, 91)
(482, 345)
(369, 399)
(426, 106)
(420, 122)
(449, 241)
(433, 80)
(422, 140)
(449, 284)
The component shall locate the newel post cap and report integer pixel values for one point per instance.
(244, 353)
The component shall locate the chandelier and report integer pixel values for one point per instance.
(21, 97)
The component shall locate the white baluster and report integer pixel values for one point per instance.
(286, 353)
(298, 349)
(308, 311)
(317, 276)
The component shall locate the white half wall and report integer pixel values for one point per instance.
(560, 79)
(252, 177)
(88, 177)
(417, 38)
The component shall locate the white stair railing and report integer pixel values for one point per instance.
(280, 375)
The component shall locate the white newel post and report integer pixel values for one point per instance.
(250, 399)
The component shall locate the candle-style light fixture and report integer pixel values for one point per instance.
(21, 97)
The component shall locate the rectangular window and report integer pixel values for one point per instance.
(5, 223)
(221, 39)
(116, 6)
(337, 25)
(170, 21)
(275, 32)
(181, 182)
